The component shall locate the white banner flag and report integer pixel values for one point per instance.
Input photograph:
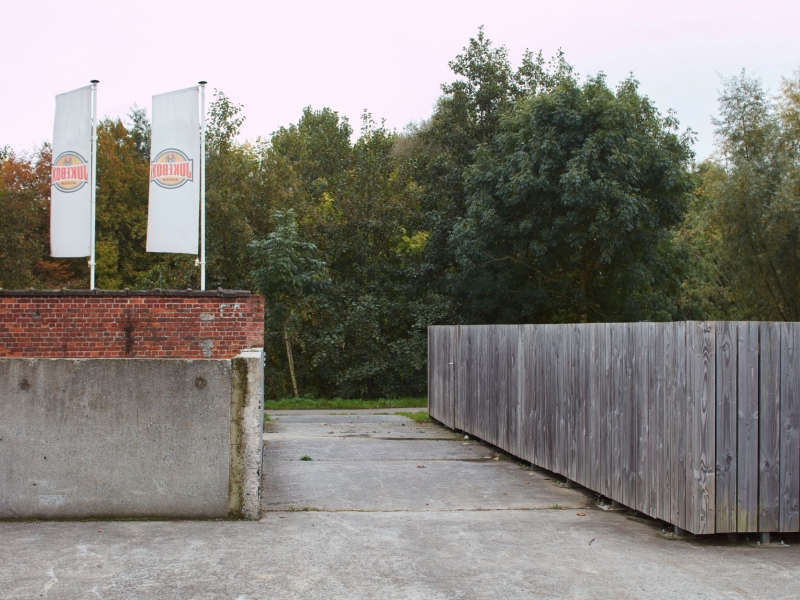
(172, 223)
(71, 175)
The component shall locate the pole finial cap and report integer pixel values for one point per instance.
(95, 81)
(202, 82)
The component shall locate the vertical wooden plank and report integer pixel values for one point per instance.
(644, 459)
(474, 417)
(437, 333)
(487, 383)
(691, 373)
(551, 398)
(747, 427)
(607, 424)
(521, 443)
(431, 367)
(662, 367)
(541, 351)
(512, 422)
(441, 372)
(619, 440)
(669, 387)
(593, 367)
(455, 370)
(561, 404)
(527, 428)
(538, 425)
(461, 371)
(790, 428)
(769, 424)
(644, 456)
(584, 473)
(500, 384)
(574, 394)
(726, 454)
(656, 418)
(679, 422)
(472, 378)
(702, 430)
(630, 448)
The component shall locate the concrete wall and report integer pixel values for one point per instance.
(116, 438)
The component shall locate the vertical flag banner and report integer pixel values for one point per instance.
(72, 178)
(173, 216)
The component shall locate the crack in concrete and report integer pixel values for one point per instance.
(433, 510)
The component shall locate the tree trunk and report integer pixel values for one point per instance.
(290, 358)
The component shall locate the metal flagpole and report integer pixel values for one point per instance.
(202, 184)
(94, 183)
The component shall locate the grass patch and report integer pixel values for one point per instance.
(306, 457)
(267, 418)
(344, 403)
(302, 509)
(421, 416)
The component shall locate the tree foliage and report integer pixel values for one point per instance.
(751, 202)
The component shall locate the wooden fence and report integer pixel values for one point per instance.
(694, 423)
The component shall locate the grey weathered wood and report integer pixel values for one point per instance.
(700, 488)
(618, 407)
(551, 398)
(641, 398)
(536, 423)
(790, 428)
(659, 488)
(681, 421)
(690, 470)
(592, 415)
(769, 423)
(527, 372)
(607, 423)
(497, 376)
(560, 460)
(694, 423)
(726, 404)
(574, 398)
(747, 428)
(667, 414)
(630, 447)
(514, 390)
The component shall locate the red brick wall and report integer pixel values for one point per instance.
(96, 324)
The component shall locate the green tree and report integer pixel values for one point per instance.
(754, 195)
(24, 210)
(439, 153)
(288, 275)
(122, 196)
(570, 212)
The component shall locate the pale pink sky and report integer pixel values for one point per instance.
(388, 57)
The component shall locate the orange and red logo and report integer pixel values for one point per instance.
(171, 168)
(70, 172)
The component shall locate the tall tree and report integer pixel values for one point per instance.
(754, 192)
(288, 274)
(570, 211)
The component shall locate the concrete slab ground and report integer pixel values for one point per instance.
(483, 545)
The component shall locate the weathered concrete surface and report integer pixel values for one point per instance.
(246, 429)
(388, 485)
(114, 438)
(415, 554)
(353, 449)
(348, 426)
(405, 555)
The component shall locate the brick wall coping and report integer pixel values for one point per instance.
(218, 293)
